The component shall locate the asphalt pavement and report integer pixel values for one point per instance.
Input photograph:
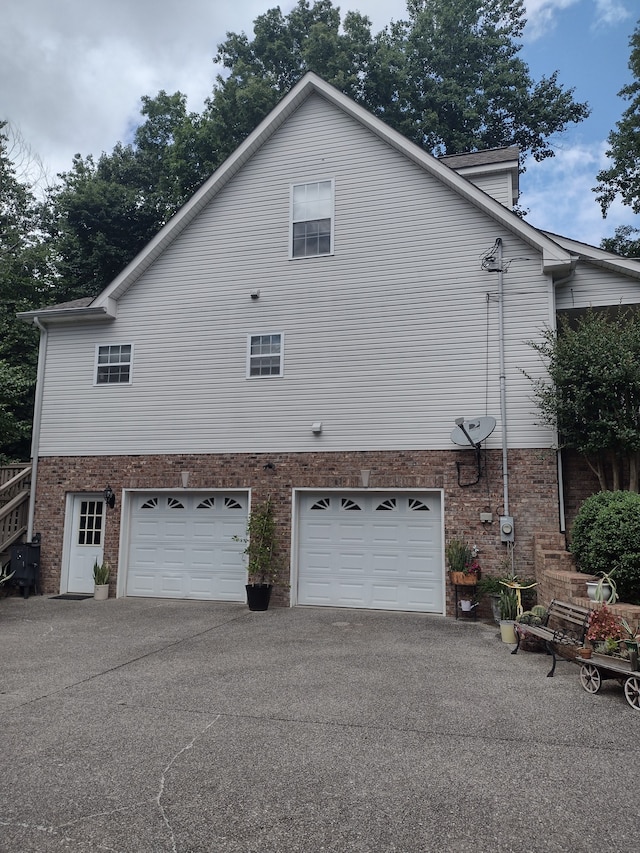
(195, 727)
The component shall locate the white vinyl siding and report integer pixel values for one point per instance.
(498, 185)
(386, 345)
(593, 286)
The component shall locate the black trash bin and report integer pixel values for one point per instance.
(25, 564)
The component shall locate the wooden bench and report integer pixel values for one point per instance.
(565, 625)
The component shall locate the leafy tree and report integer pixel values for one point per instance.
(623, 242)
(623, 176)
(448, 78)
(103, 212)
(593, 396)
(23, 285)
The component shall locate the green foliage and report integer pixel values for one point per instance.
(263, 563)
(101, 572)
(508, 604)
(606, 538)
(459, 555)
(622, 178)
(448, 78)
(623, 242)
(24, 272)
(593, 396)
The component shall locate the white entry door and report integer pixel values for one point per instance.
(378, 550)
(86, 541)
(188, 545)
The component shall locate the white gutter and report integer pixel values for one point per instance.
(37, 419)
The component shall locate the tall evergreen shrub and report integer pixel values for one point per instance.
(606, 537)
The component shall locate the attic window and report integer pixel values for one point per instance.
(312, 219)
(113, 364)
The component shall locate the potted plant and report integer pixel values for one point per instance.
(604, 590)
(490, 586)
(631, 636)
(262, 561)
(101, 572)
(508, 605)
(605, 631)
(463, 565)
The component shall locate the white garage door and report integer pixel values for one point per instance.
(181, 546)
(380, 550)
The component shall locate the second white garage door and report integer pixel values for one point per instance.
(182, 545)
(379, 550)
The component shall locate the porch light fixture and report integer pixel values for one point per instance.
(109, 497)
(184, 478)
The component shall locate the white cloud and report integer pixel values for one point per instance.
(542, 15)
(611, 12)
(558, 191)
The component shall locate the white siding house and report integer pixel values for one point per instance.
(327, 304)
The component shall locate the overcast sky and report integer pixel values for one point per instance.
(72, 73)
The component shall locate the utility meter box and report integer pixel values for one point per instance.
(506, 528)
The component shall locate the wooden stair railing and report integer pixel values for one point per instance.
(14, 506)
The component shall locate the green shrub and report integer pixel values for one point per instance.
(606, 538)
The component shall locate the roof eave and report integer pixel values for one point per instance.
(66, 315)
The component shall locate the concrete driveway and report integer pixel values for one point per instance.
(146, 725)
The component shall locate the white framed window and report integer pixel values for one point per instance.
(265, 355)
(113, 364)
(312, 219)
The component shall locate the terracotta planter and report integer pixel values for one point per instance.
(460, 579)
(585, 653)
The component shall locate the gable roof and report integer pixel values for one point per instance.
(557, 259)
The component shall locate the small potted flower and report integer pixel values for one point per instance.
(605, 631)
(462, 562)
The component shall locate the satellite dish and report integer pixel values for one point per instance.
(473, 431)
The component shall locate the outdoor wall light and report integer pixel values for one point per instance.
(109, 497)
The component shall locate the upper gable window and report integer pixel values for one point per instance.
(113, 364)
(265, 355)
(312, 219)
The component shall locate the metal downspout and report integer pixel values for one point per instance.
(503, 378)
(37, 419)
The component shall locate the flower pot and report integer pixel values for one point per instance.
(592, 588)
(585, 653)
(460, 579)
(258, 595)
(507, 632)
(101, 591)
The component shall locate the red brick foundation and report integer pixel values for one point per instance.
(533, 493)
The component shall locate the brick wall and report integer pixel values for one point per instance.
(532, 488)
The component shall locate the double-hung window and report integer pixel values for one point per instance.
(312, 219)
(113, 364)
(264, 355)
